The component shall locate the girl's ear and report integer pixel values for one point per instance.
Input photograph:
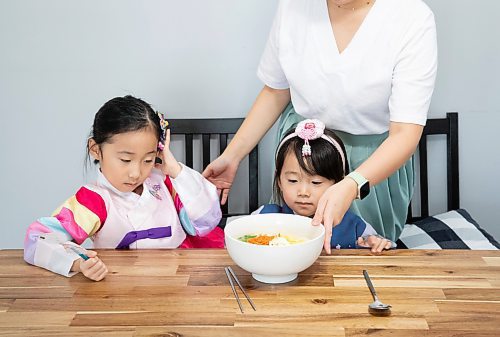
(94, 149)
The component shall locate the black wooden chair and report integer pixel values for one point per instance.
(220, 128)
(447, 126)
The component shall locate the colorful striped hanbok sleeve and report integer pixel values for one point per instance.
(79, 217)
(199, 211)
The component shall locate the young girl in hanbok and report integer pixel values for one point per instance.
(142, 197)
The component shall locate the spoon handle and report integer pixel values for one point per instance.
(370, 285)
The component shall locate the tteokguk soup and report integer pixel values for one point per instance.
(270, 240)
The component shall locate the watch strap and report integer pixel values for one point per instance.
(360, 181)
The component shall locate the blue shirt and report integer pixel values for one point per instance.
(344, 235)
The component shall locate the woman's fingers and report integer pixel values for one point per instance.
(225, 195)
(207, 173)
(320, 209)
(325, 214)
(211, 174)
(318, 219)
(328, 223)
(221, 173)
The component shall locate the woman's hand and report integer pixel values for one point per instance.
(169, 166)
(93, 268)
(264, 112)
(375, 242)
(221, 173)
(333, 205)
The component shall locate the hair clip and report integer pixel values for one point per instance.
(311, 129)
(163, 126)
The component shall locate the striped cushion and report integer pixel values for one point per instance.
(451, 230)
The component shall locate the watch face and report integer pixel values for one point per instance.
(364, 190)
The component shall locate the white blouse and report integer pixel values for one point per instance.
(386, 73)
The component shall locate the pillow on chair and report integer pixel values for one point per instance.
(451, 230)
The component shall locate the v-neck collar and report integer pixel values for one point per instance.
(326, 36)
(103, 181)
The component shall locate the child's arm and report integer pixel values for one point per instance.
(196, 201)
(78, 218)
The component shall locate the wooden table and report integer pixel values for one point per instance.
(186, 293)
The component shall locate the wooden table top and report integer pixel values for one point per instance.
(186, 293)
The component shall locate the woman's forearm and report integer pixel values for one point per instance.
(392, 153)
(261, 117)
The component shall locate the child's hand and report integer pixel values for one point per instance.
(93, 268)
(376, 243)
(169, 166)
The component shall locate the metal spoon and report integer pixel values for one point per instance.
(376, 308)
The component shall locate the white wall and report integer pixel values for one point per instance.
(61, 60)
(469, 82)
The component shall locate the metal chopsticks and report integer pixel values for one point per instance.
(230, 275)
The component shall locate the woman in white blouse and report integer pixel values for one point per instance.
(366, 69)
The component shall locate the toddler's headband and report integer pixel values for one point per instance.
(311, 129)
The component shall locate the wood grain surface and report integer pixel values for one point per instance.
(186, 293)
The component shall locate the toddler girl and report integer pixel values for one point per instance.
(310, 159)
(134, 203)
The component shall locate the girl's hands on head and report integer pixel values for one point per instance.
(93, 268)
(169, 166)
(333, 205)
(221, 173)
(376, 243)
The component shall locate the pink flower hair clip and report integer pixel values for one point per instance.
(311, 129)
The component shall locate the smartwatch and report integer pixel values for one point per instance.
(363, 184)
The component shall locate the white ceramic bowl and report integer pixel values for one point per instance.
(274, 264)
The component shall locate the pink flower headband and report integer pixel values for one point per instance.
(311, 129)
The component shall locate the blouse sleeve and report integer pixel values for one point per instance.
(270, 71)
(75, 220)
(414, 73)
(199, 211)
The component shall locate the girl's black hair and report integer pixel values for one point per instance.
(120, 115)
(324, 160)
